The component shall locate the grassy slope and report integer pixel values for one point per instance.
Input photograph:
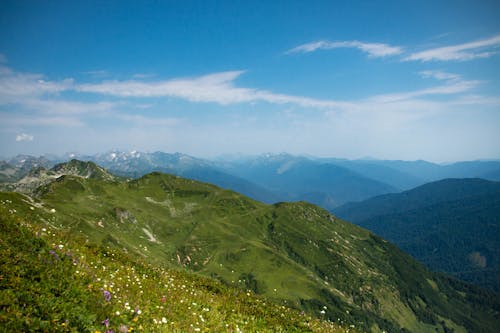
(292, 252)
(52, 281)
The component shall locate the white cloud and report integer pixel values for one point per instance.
(216, 88)
(14, 120)
(439, 75)
(482, 48)
(220, 88)
(453, 84)
(65, 107)
(372, 49)
(41, 104)
(15, 86)
(24, 137)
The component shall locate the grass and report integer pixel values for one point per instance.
(295, 254)
(53, 282)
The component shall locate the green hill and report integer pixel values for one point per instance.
(52, 281)
(451, 226)
(295, 253)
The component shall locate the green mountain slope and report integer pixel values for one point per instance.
(293, 252)
(452, 226)
(52, 281)
(422, 196)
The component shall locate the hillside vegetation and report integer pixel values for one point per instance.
(452, 226)
(54, 281)
(294, 253)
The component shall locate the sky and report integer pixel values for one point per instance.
(350, 79)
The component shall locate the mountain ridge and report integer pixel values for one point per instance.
(451, 225)
(294, 252)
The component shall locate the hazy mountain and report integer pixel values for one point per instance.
(293, 252)
(299, 178)
(394, 177)
(8, 172)
(19, 166)
(428, 172)
(136, 164)
(328, 182)
(451, 225)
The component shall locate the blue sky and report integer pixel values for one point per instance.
(384, 79)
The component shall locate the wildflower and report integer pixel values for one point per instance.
(164, 320)
(105, 322)
(107, 295)
(54, 254)
(163, 299)
(123, 329)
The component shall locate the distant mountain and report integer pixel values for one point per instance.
(39, 176)
(328, 182)
(19, 166)
(368, 168)
(428, 172)
(8, 172)
(291, 252)
(136, 164)
(451, 225)
(298, 178)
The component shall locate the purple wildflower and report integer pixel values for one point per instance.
(105, 322)
(107, 295)
(54, 254)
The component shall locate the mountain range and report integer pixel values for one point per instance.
(295, 253)
(272, 178)
(452, 226)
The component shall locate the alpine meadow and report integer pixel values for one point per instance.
(250, 166)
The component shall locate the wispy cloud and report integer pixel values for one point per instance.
(24, 137)
(14, 120)
(67, 107)
(482, 48)
(440, 75)
(372, 49)
(453, 84)
(40, 101)
(220, 88)
(215, 88)
(15, 86)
